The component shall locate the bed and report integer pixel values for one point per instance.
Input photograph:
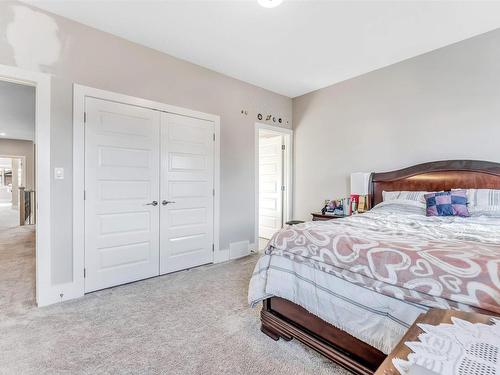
(350, 288)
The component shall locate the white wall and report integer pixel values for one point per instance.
(74, 53)
(441, 105)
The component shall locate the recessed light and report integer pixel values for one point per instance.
(3, 134)
(270, 3)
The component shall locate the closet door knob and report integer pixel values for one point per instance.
(166, 202)
(153, 203)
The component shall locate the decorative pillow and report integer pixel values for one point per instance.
(483, 200)
(447, 203)
(404, 197)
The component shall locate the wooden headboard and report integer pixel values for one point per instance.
(436, 176)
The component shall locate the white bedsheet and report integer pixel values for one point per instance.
(374, 318)
(377, 319)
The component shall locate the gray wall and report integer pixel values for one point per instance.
(441, 105)
(74, 53)
(17, 111)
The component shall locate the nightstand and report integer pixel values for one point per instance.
(318, 216)
(294, 222)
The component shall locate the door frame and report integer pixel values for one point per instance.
(287, 171)
(45, 292)
(81, 92)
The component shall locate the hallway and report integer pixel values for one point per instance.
(9, 218)
(17, 262)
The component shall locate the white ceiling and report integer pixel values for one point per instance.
(295, 48)
(17, 111)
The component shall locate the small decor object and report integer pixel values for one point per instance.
(346, 205)
(268, 117)
(461, 348)
(447, 203)
(362, 203)
(354, 203)
(333, 207)
(359, 191)
(280, 120)
(259, 116)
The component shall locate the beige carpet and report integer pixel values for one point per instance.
(191, 322)
(17, 263)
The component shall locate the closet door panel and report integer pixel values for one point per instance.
(187, 180)
(121, 177)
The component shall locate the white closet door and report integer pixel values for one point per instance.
(187, 181)
(121, 182)
(270, 183)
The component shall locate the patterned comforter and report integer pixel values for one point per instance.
(395, 250)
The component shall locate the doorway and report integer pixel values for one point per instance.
(12, 188)
(17, 196)
(273, 149)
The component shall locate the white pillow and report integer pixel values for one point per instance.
(483, 200)
(405, 197)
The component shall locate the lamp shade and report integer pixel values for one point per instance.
(359, 183)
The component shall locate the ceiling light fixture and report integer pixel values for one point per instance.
(270, 3)
(3, 134)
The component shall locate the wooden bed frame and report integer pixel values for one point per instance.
(283, 319)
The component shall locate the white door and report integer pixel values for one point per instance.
(270, 185)
(121, 184)
(187, 200)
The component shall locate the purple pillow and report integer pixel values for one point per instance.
(447, 203)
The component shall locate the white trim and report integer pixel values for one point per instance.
(287, 170)
(79, 94)
(225, 254)
(221, 256)
(45, 292)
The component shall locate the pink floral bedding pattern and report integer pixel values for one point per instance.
(436, 262)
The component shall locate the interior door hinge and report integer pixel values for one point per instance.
(214, 137)
(213, 192)
(84, 194)
(283, 188)
(84, 117)
(84, 273)
(283, 147)
(213, 248)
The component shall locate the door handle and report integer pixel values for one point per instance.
(164, 202)
(153, 203)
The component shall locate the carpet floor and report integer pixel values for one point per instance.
(190, 322)
(17, 264)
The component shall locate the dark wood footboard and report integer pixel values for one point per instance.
(283, 319)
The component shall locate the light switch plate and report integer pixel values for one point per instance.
(59, 173)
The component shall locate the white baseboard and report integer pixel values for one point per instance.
(239, 249)
(221, 255)
(236, 250)
(59, 293)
